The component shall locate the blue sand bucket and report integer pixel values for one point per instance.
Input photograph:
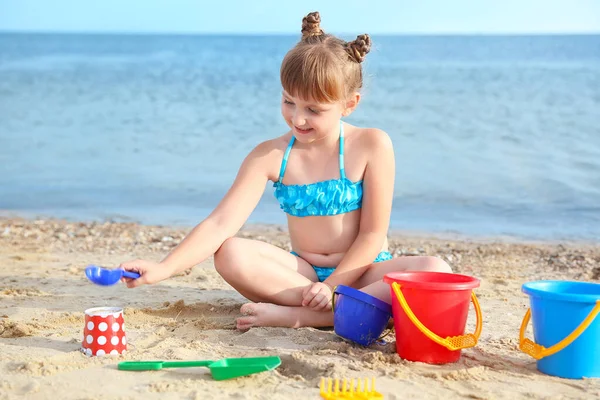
(358, 316)
(565, 328)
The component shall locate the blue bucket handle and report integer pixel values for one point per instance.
(333, 293)
(537, 351)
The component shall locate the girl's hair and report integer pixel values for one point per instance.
(323, 67)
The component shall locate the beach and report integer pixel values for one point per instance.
(44, 292)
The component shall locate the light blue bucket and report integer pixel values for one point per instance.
(566, 328)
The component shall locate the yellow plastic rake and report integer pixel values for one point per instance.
(350, 389)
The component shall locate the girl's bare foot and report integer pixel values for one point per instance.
(267, 314)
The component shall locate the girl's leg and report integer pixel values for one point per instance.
(372, 280)
(265, 273)
(269, 314)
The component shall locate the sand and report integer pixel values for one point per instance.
(43, 294)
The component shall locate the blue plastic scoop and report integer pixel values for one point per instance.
(107, 277)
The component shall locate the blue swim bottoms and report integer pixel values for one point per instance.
(324, 272)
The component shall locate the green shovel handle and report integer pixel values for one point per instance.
(184, 364)
(157, 365)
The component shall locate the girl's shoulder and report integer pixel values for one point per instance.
(275, 145)
(270, 152)
(266, 156)
(373, 139)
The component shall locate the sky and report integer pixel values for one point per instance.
(284, 16)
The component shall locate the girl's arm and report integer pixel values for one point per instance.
(224, 222)
(378, 193)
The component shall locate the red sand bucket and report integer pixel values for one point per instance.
(430, 314)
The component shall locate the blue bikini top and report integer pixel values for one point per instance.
(330, 197)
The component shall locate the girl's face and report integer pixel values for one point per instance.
(310, 120)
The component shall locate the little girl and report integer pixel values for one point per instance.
(334, 181)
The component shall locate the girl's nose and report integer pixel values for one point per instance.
(298, 119)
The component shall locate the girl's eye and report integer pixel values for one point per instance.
(287, 101)
(313, 111)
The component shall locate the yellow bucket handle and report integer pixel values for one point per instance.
(450, 342)
(538, 351)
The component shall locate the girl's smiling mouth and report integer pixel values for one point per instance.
(303, 131)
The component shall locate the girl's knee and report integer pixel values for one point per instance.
(435, 264)
(228, 255)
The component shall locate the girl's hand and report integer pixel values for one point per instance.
(150, 272)
(317, 296)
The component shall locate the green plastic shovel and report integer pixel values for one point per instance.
(226, 368)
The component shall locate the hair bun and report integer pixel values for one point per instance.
(311, 25)
(359, 47)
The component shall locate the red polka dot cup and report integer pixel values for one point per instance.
(104, 332)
